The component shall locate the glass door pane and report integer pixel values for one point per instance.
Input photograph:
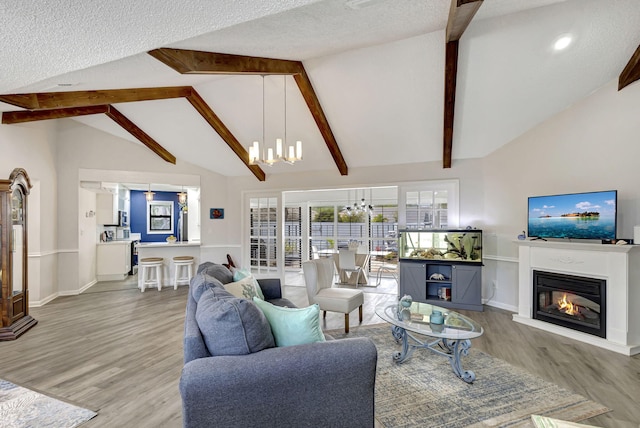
(293, 237)
(263, 226)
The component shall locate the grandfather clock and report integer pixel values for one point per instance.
(13, 255)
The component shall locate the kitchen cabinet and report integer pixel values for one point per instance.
(113, 260)
(107, 208)
(442, 267)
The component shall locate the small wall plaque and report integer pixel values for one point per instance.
(216, 213)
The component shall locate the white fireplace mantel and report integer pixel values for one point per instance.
(619, 265)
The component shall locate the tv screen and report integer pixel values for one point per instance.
(576, 215)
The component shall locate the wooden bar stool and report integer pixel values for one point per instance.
(181, 263)
(150, 273)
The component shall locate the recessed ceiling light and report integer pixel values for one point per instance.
(562, 43)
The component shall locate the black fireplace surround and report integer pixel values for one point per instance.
(570, 301)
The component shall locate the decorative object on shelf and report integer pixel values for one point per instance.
(216, 213)
(437, 277)
(171, 239)
(444, 293)
(353, 245)
(522, 236)
(292, 155)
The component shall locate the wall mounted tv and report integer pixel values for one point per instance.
(574, 216)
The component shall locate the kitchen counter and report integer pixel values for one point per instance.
(167, 244)
(115, 242)
(168, 251)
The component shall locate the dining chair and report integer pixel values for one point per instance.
(348, 267)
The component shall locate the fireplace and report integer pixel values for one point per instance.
(570, 301)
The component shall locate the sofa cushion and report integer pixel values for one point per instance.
(293, 326)
(232, 326)
(202, 282)
(240, 274)
(219, 272)
(245, 288)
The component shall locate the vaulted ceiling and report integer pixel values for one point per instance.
(376, 68)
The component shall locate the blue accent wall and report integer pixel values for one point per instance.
(138, 215)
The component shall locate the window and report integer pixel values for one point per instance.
(160, 217)
(429, 205)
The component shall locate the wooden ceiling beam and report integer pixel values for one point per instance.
(198, 62)
(460, 15)
(310, 97)
(142, 136)
(12, 117)
(214, 121)
(53, 100)
(631, 71)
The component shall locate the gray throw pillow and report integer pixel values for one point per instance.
(202, 282)
(232, 326)
(219, 272)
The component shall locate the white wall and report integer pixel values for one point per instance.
(32, 147)
(591, 146)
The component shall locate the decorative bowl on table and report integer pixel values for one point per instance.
(171, 239)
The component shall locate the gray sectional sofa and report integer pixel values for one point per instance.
(329, 383)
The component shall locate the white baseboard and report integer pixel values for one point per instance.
(499, 305)
(38, 303)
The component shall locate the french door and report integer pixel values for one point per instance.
(265, 235)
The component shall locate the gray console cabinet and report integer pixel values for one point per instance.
(464, 282)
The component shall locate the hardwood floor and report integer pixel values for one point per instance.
(119, 351)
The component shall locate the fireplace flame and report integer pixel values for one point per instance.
(566, 306)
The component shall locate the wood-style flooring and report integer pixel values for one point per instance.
(119, 351)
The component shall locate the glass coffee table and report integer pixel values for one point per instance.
(451, 339)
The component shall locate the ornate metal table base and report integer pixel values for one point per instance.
(452, 349)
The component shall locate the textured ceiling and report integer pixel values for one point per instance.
(378, 70)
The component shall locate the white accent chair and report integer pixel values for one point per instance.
(318, 277)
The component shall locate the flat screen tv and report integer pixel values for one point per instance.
(574, 216)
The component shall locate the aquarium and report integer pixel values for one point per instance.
(463, 245)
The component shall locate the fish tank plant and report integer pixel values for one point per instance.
(464, 245)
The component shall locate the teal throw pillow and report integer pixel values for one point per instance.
(292, 326)
(239, 274)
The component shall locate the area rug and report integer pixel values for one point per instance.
(424, 391)
(21, 407)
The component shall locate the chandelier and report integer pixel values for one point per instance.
(293, 153)
(360, 206)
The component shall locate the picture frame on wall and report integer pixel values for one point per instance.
(216, 213)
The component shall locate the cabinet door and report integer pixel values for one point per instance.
(467, 285)
(413, 280)
(106, 208)
(113, 259)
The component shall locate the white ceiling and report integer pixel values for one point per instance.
(378, 70)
